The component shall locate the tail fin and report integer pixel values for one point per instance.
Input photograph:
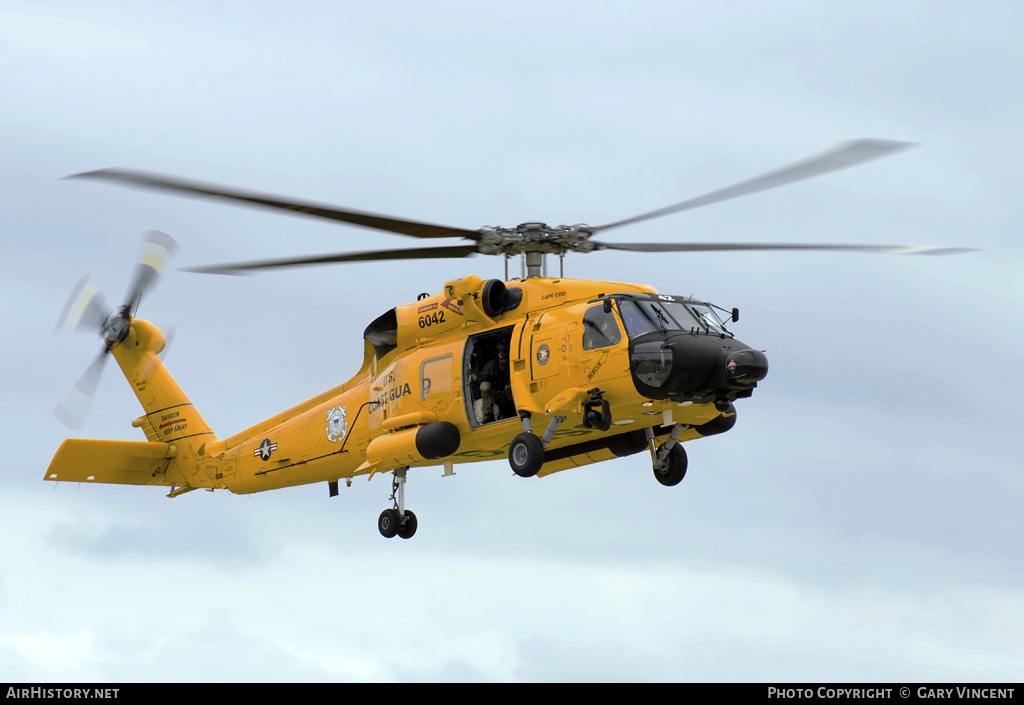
(170, 415)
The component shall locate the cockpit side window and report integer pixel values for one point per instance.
(600, 329)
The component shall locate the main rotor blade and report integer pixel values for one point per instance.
(75, 406)
(416, 253)
(157, 249)
(368, 220)
(843, 155)
(728, 246)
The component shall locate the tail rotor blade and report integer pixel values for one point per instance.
(157, 250)
(74, 408)
(85, 310)
(168, 338)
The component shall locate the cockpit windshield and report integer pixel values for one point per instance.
(651, 316)
(642, 317)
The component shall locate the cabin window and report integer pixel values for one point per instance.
(436, 377)
(600, 329)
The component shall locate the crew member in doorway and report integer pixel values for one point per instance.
(496, 373)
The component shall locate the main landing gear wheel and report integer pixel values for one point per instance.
(388, 523)
(391, 524)
(408, 525)
(674, 469)
(397, 521)
(526, 454)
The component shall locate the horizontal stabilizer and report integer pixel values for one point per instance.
(115, 462)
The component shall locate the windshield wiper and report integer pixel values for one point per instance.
(662, 321)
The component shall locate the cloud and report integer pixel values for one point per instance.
(51, 654)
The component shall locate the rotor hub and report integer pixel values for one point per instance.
(533, 240)
(116, 326)
(534, 237)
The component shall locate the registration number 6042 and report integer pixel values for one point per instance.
(431, 319)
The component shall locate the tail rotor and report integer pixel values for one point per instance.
(87, 310)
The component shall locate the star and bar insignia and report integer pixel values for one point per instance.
(265, 449)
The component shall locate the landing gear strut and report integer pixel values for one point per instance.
(397, 521)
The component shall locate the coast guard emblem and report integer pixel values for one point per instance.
(543, 353)
(337, 426)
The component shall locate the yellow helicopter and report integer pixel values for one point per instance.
(550, 372)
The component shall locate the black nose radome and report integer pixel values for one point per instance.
(746, 366)
(684, 366)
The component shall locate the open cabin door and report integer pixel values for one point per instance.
(487, 378)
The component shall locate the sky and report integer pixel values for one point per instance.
(861, 521)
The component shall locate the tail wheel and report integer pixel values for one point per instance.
(674, 469)
(526, 454)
